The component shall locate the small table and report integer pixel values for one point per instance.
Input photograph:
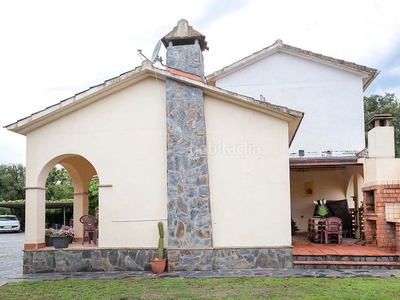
(315, 228)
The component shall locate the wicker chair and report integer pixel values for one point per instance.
(90, 226)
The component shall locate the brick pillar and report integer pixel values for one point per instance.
(377, 230)
(398, 238)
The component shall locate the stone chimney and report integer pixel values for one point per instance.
(184, 50)
(189, 214)
(381, 137)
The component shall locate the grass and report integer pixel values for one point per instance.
(213, 288)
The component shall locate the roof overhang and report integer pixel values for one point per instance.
(146, 70)
(48, 205)
(80, 100)
(327, 162)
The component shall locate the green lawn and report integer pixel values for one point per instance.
(214, 288)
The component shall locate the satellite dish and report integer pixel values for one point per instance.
(156, 51)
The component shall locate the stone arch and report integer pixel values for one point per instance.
(81, 172)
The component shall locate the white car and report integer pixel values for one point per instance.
(9, 223)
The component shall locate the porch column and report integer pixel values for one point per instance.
(356, 206)
(81, 207)
(35, 213)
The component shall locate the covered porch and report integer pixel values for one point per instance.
(330, 175)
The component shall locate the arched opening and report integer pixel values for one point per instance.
(354, 197)
(81, 172)
(353, 192)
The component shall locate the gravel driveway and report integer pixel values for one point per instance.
(11, 246)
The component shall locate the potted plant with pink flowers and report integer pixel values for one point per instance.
(61, 238)
(48, 232)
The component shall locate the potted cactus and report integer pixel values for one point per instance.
(158, 261)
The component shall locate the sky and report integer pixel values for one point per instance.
(51, 50)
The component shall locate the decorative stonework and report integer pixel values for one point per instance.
(232, 258)
(189, 215)
(187, 58)
(248, 258)
(100, 260)
(190, 260)
(109, 260)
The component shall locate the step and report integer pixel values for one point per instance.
(350, 258)
(324, 264)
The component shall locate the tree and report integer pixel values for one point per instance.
(12, 182)
(387, 104)
(59, 185)
(93, 195)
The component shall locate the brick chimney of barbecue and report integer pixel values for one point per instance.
(381, 137)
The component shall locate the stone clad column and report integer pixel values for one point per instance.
(189, 214)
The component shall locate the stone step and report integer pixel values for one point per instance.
(318, 264)
(350, 258)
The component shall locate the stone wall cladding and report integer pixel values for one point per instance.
(99, 260)
(187, 58)
(109, 260)
(225, 259)
(190, 260)
(189, 214)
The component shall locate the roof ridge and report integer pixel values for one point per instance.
(330, 58)
(372, 72)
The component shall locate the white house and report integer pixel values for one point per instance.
(324, 157)
(328, 90)
(211, 164)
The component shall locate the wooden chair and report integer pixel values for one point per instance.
(331, 226)
(90, 226)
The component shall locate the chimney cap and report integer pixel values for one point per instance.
(379, 120)
(184, 34)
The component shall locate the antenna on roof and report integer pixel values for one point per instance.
(155, 57)
(142, 56)
(156, 50)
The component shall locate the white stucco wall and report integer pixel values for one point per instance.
(381, 171)
(250, 198)
(332, 99)
(327, 184)
(124, 137)
(381, 167)
(381, 142)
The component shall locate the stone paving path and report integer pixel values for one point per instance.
(11, 246)
(283, 273)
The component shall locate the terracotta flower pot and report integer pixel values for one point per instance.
(158, 265)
